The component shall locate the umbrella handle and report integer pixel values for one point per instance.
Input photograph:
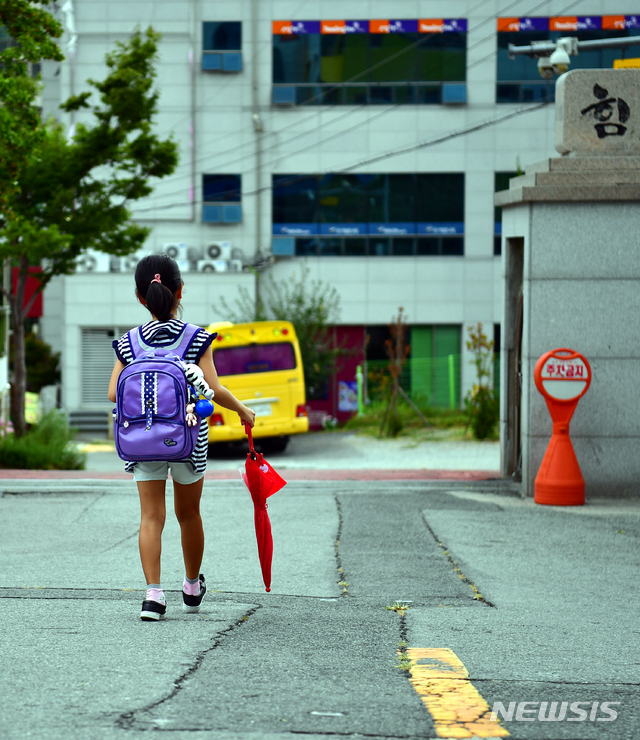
(247, 430)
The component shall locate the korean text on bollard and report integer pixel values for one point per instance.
(563, 377)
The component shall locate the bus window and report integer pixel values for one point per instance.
(254, 358)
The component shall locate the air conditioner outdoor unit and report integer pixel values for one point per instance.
(93, 261)
(235, 266)
(175, 250)
(213, 265)
(218, 251)
(130, 262)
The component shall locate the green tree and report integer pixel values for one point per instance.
(31, 32)
(74, 194)
(313, 307)
(43, 364)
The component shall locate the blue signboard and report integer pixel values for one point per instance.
(441, 228)
(392, 229)
(343, 229)
(497, 229)
(295, 229)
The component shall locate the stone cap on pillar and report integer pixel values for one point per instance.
(574, 179)
(598, 112)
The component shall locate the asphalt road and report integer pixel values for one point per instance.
(539, 604)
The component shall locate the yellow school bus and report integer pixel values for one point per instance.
(260, 364)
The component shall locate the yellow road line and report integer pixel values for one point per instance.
(457, 708)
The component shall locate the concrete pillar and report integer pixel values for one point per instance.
(571, 249)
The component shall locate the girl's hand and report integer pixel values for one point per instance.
(248, 416)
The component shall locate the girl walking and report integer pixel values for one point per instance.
(159, 289)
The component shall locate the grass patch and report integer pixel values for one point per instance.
(47, 446)
(449, 424)
(398, 607)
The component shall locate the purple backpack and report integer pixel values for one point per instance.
(149, 421)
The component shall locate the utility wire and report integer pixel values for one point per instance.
(297, 123)
(387, 155)
(324, 110)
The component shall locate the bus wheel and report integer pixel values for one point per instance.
(274, 444)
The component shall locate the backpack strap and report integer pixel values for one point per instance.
(180, 345)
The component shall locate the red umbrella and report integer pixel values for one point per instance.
(262, 481)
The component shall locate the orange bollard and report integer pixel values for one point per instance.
(562, 376)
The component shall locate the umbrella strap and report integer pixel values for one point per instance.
(247, 429)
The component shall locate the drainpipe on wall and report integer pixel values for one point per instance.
(192, 125)
(72, 44)
(258, 130)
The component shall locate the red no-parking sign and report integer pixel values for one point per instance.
(562, 376)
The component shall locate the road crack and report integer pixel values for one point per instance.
(127, 720)
(342, 576)
(476, 592)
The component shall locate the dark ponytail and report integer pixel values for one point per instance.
(160, 296)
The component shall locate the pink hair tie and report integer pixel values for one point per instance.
(156, 279)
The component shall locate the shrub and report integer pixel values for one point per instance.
(47, 446)
(482, 403)
(483, 408)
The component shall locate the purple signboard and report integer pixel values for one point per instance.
(534, 24)
(356, 27)
(455, 25)
(589, 22)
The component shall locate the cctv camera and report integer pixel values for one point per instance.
(560, 61)
(545, 68)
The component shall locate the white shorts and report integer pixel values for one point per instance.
(181, 472)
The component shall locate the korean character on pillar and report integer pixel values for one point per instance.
(603, 111)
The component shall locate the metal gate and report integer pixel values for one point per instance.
(98, 359)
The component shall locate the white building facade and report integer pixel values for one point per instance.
(367, 149)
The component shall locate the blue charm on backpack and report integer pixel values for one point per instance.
(152, 396)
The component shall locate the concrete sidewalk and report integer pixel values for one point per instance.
(329, 453)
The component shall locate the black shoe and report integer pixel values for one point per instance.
(152, 610)
(192, 603)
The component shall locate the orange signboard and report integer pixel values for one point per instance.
(568, 23)
(333, 27)
(613, 22)
(508, 24)
(431, 25)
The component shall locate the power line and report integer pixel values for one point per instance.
(297, 123)
(324, 109)
(384, 112)
(389, 154)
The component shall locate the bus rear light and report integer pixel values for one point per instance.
(219, 337)
(301, 411)
(216, 420)
(285, 332)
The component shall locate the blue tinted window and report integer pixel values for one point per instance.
(222, 36)
(369, 68)
(221, 188)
